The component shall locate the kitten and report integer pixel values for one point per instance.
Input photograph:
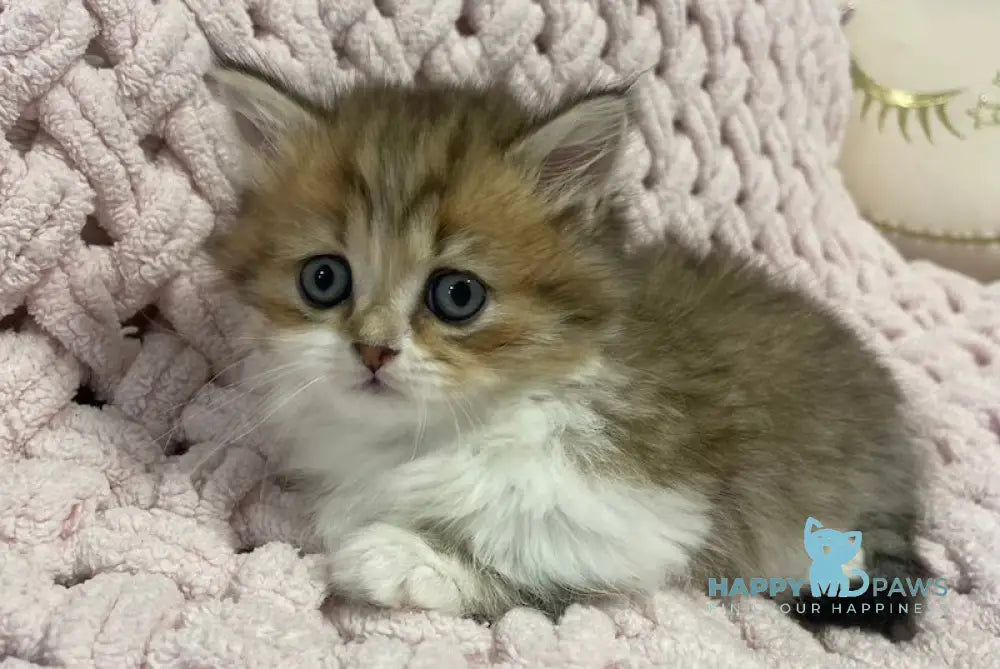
(493, 404)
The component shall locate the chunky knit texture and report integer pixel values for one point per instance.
(123, 538)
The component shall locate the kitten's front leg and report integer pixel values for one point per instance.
(396, 568)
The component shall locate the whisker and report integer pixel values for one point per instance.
(458, 428)
(281, 405)
(237, 384)
(418, 434)
(475, 422)
(271, 375)
(275, 409)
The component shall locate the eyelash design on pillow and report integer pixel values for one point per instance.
(904, 102)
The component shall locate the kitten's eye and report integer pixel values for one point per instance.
(325, 281)
(455, 297)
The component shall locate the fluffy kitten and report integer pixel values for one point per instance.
(493, 404)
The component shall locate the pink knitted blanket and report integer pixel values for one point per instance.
(123, 539)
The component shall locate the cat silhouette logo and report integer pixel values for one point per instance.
(830, 550)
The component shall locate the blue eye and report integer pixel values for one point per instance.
(455, 297)
(325, 281)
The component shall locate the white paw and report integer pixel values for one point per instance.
(391, 567)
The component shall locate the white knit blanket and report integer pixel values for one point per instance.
(122, 540)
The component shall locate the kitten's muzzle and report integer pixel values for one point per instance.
(374, 357)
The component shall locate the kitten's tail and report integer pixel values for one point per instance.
(890, 554)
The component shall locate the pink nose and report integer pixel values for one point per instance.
(374, 357)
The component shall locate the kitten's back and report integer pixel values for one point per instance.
(759, 398)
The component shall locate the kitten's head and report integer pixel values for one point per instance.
(433, 243)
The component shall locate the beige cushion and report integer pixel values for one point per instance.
(922, 151)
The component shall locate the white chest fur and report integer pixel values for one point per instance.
(509, 487)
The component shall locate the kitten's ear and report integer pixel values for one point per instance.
(574, 152)
(261, 109)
